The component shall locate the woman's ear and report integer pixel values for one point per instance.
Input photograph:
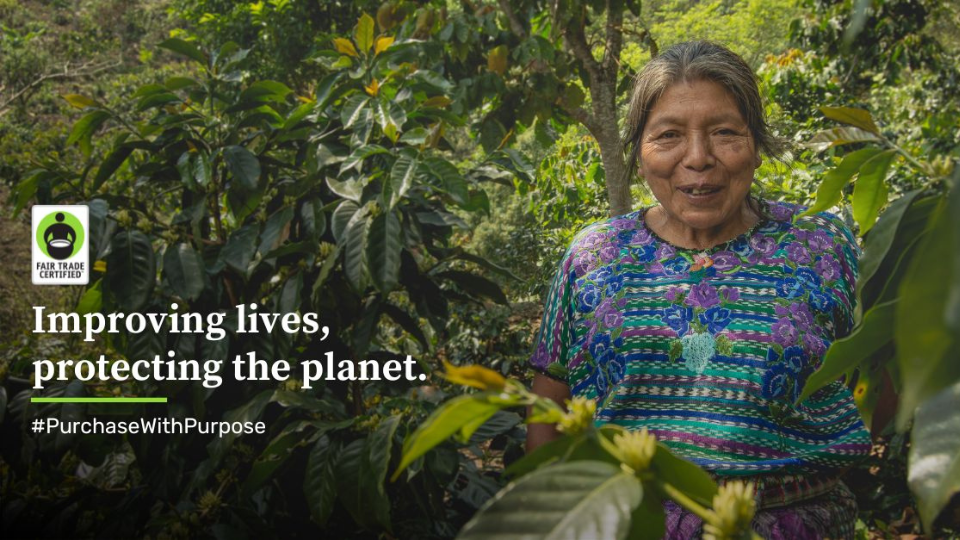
(758, 160)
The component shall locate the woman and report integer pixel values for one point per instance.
(700, 318)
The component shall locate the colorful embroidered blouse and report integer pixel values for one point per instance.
(710, 349)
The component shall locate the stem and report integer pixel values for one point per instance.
(906, 155)
(680, 497)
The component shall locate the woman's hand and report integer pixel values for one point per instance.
(538, 434)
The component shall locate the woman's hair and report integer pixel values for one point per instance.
(692, 61)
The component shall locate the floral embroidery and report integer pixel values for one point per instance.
(664, 337)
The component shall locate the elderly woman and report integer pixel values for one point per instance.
(700, 318)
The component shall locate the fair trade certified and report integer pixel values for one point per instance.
(60, 237)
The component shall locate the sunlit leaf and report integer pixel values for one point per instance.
(830, 191)
(851, 116)
(344, 46)
(78, 101)
(839, 136)
(870, 191)
(364, 33)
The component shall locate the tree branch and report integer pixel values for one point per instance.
(81, 71)
(581, 115)
(515, 25)
(614, 40)
(577, 42)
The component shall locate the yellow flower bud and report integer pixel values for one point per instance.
(733, 508)
(636, 448)
(579, 416)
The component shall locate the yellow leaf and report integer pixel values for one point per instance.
(437, 101)
(497, 60)
(79, 101)
(304, 99)
(364, 33)
(100, 266)
(382, 44)
(372, 88)
(344, 46)
(475, 376)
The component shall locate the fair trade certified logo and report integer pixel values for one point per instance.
(60, 254)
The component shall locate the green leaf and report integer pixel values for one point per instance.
(110, 164)
(313, 220)
(78, 101)
(870, 191)
(927, 326)
(408, 323)
(353, 110)
(361, 471)
(542, 455)
(683, 475)
(874, 332)
(355, 240)
(415, 136)
(373, 473)
(648, 521)
(383, 251)
(273, 228)
(84, 128)
(320, 482)
(851, 116)
(185, 48)
(475, 285)
(401, 178)
(341, 217)
(92, 299)
(364, 33)
(357, 157)
(240, 248)
(934, 463)
(451, 180)
(585, 499)
(243, 165)
(350, 188)
(131, 270)
(277, 452)
(156, 100)
(242, 201)
(831, 188)
(882, 236)
(184, 271)
(501, 422)
(364, 330)
(290, 294)
(263, 91)
(448, 419)
(839, 136)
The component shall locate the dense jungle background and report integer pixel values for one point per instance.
(413, 171)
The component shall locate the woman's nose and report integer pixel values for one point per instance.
(699, 154)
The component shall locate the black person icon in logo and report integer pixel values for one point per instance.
(60, 238)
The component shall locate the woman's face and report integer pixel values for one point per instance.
(698, 156)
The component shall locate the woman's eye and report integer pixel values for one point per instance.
(668, 135)
(727, 132)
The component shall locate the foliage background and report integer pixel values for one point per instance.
(516, 195)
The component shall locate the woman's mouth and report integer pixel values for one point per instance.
(700, 191)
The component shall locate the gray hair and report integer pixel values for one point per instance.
(692, 61)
